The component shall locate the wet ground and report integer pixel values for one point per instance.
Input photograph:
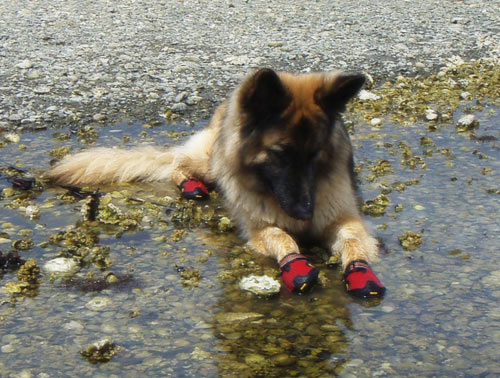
(159, 277)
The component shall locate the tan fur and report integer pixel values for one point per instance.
(215, 155)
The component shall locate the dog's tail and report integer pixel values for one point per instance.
(113, 165)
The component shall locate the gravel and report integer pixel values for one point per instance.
(102, 60)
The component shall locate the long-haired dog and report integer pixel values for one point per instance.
(279, 153)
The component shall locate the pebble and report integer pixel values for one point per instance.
(7, 348)
(283, 359)
(99, 117)
(179, 108)
(387, 308)
(98, 304)
(492, 280)
(365, 95)
(73, 326)
(24, 64)
(466, 120)
(430, 114)
(254, 359)
(228, 317)
(465, 95)
(354, 362)
(32, 211)
(181, 96)
(42, 90)
(375, 121)
(12, 138)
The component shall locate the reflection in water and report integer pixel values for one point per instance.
(259, 337)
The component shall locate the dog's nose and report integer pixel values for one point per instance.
(303, 210)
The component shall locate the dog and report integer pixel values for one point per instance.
(279, 153)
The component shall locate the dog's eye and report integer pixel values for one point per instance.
(276, 151)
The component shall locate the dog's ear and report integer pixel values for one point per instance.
(333, 97)
(263, 95)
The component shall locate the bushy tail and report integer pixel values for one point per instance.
(108, 165)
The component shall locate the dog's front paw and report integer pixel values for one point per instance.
(297, 273)
(194, 189)
(361, 281)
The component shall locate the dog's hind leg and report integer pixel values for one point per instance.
(350, 239)
(191, 167)
(297, 273)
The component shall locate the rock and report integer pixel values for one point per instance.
(492, 280)
(12, 138)
(98, 303)
(7, 348)
(387, 308)
(275, 43)
(260, 285)
(100, 351)
(179, 107)
(283, 359)
(411, 241)
(73, 326)
(467, 122)
(354, 362)
(24, 64)
(99, 117)
(61, 265)
(365, 95)
(375, 121)
(32, 211)
(181, 96)
(229, 317)
(23, 374)
(254, 359)
(465, 95)
(42, 90)
(431, 114)
(239, 60)
(193, 100)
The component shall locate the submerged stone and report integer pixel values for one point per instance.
(101, 351)
(229, 317)
(411, 241)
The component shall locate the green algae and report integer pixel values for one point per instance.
(411, 241)
(28, 282)
(100, 352)
(406, 99)
(376, 207)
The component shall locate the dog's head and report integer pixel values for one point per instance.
(286, 132)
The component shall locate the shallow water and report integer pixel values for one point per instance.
(440, 316)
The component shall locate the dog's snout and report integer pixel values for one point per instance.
(304, 208)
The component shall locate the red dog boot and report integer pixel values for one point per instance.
(297, 273)
(360, 280)
(194, 189)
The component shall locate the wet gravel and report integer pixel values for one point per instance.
(68, 61)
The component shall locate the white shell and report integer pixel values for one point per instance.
(260, 285)
(61, 265)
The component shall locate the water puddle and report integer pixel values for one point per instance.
(160, 278)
